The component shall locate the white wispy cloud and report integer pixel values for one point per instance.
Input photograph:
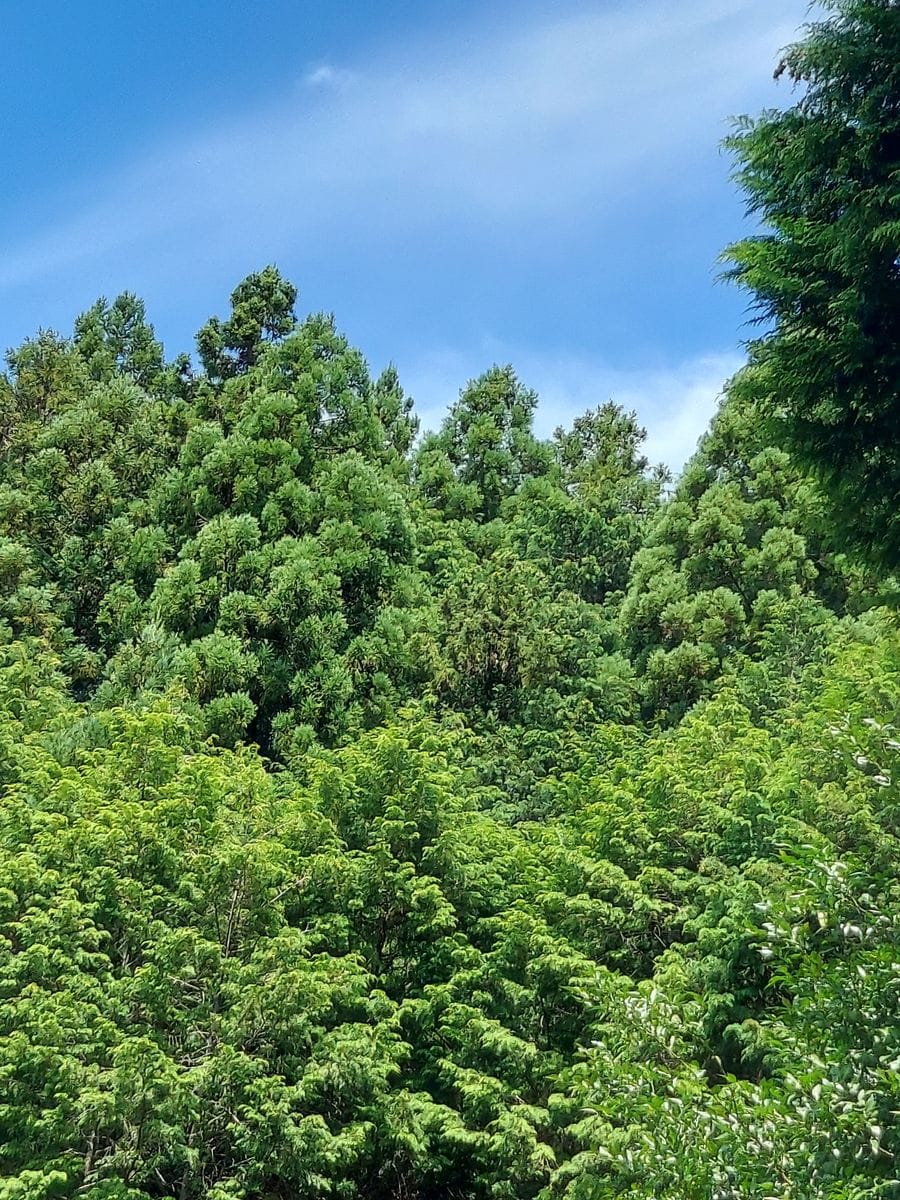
(326, 75)
(545, 120)
(674, 402)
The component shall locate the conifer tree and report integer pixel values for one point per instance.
(825, 272)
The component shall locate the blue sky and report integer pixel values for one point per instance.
(459, 183)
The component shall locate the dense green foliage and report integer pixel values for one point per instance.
(468, 817)
(825, 178)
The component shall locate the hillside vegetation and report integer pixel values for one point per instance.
(464, 815)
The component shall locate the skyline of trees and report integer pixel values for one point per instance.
(472, 816)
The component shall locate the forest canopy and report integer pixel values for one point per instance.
(398, 814)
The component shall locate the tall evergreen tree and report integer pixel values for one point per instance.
(262, 311)
(117, 339)
(486, 447)
(825, 272)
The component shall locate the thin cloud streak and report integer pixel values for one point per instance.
(551, 122)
